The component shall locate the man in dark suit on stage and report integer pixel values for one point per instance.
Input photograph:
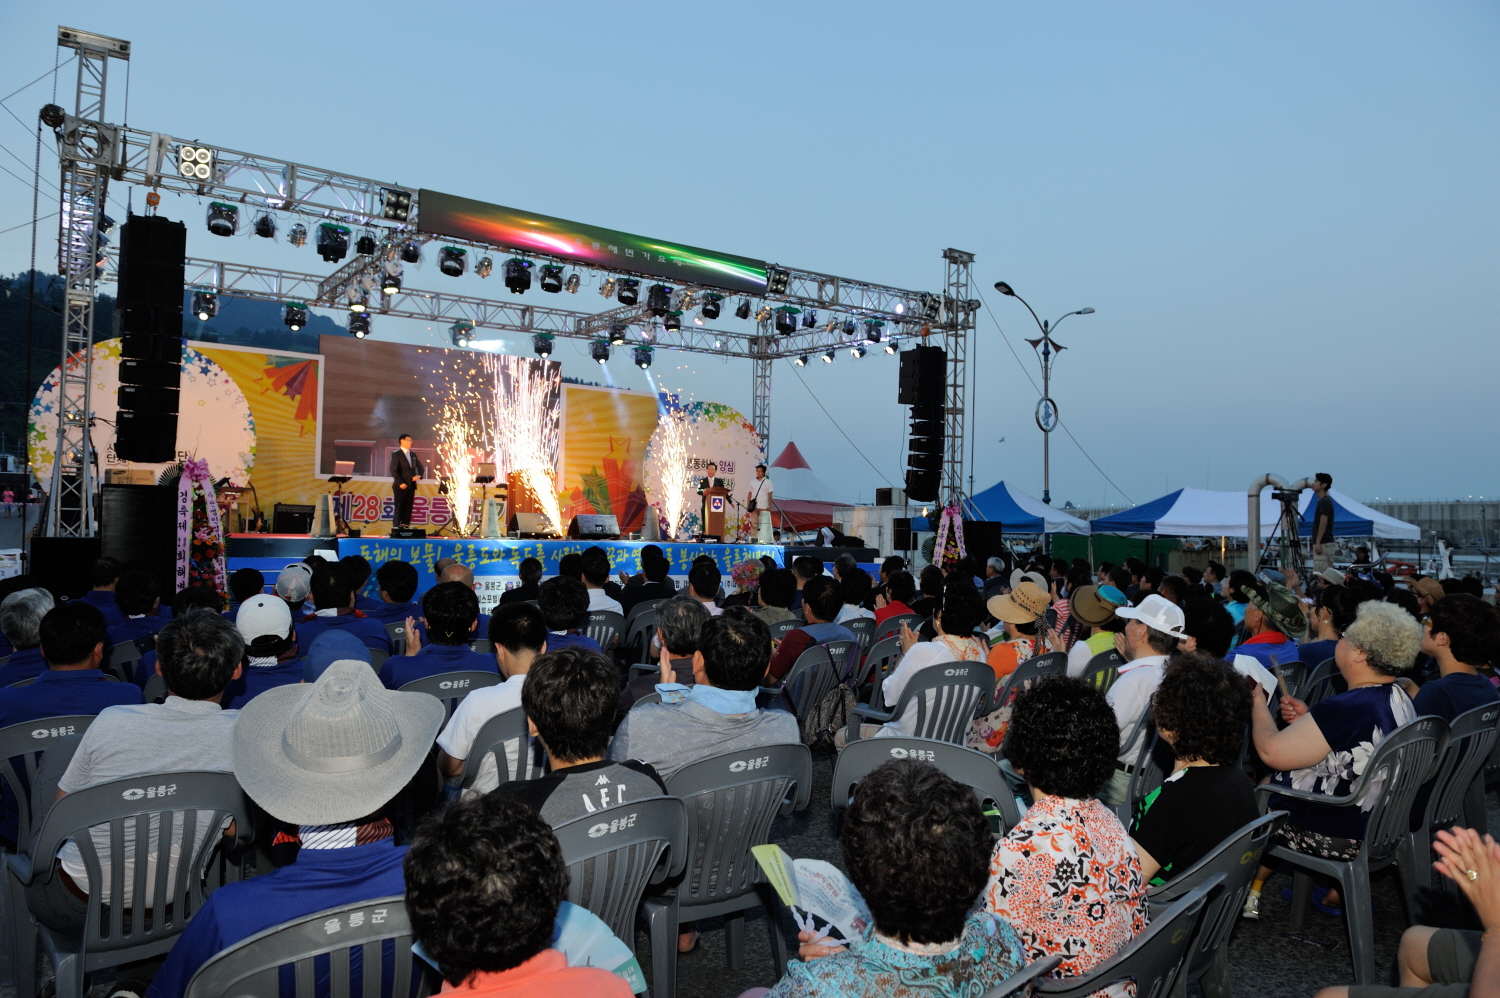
(406, 472)
(708, 481)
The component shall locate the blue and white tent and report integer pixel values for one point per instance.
(1355, 519)
(1191, 513)
(1019, 513)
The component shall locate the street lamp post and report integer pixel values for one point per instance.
(1046, 410)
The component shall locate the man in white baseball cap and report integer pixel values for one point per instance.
(1151, 633)
(272, 658)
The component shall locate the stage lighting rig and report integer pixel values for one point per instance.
(599, 351)
(196, 162)
(411, 251)
(453, 261)
(617, 334)
(390, 283)
(359, 325)
(872, 330)
(223, 219)
(673, 322)
(831, 324)
(742, 310)
(294, 315)
(712, 303)
(642, 357)
(763, 313)
(518, 275)
(630, 291)
(607, 289)
(461, 333)
(828, 356)
(205, 305)
(551, 279)
(572, 284)
(850, 327)
(800, 361)
(484, 267)
(930, 306)
(786, 320)
(358, 300)
(541, 344)
(810, 319)
(333, 242)
(856, 352)
(891, 348)
(297, 235)
(659, 299)
(396, 204)
(365, 245)
(777, 280)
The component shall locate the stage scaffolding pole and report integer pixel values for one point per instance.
(958, 323)
(760, 392)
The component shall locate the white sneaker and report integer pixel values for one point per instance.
(1252, 906)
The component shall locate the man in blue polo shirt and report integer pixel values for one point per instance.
(451, 611)
(103, 577)
(565, 607)
(73, 642)
(357, 567)
(138, 597)
(334, 601)
(327, 757)
(21, 616)
(272, 656)
(397, 581)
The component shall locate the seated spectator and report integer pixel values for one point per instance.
(1208, 626)
(595, 573)
(104, 575)
(450, 613)
(331, 647)
(334, 603)
(397, 584)
(805, 569)
(1063, 740)
(996, 578)
(484, 881)
(564, 603)
(900, 592)
(773, 594)
(1237, 588)
(1152, 632)
(1194, 579)
(930, 599)
(272, 655)
(519, 635)
(530, 571)
(890, 566)
(327, 757)
(955, 642)
(21, 616)
(654, 584)
(357, 569)
(1273, 618)
(855, 589)
(679, 621)
(1023, 612)
(243, 584)
(1463, 633)
(457, 572)
(72, 637)
(1095, 624)
(718, 713)
(191, 598)
(1214, 575)
(1201, 711)
(200, 654)
(703, 584)
(139, 598)
(294, 584)
(570, 697)
(1324, 749)
(929, 936)
(1175, 589)
(821, 602)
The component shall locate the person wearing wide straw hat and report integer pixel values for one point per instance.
(1152, 631)
(1093, 609)
(1022, 633)
(326, 757)
(1273, 617)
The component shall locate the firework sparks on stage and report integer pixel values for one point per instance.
(523, 426)
(455, 438)
(669, 483)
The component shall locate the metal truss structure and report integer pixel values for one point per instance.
(828, 312)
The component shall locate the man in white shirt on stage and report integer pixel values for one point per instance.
(758, 502)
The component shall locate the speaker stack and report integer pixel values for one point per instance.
(148, 313)
(923, 385)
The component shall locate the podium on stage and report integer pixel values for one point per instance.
(715, 505)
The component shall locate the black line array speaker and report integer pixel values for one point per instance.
(149, 316)
(923, 385)
(983, 540)
(139, 521)
(62, 564)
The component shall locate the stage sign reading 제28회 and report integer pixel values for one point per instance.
(462, 218)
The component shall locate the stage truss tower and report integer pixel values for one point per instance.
(958, 323)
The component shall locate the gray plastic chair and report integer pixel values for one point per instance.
(878, 663)
(253, 966)
(844, 656)
(974, 769)
(1471, 739)
(108, 940)
(1294, 673)
(1022, 979)
(1319, 684)
(782, 628)
(156, 688)
(606, 628)
(1103, 669)
(807, 682)
(506, 726)
(378, 657)
(638, 635)
(120, 659)
(483, 646)
(943, 699)
(397, 633)
(730, 801)
(891, 626)
(1236, 860)
(1146, 771)
(863, 629)
(1027, 674)
(452, 687)
(1153, 960)
(613, 854)
(1396, 770)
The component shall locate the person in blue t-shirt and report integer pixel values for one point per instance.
(357, 567)
(272, 656)
(21, 616)
(1462, 631)
(1333, 610)
(191, 598)
(243, 584)
(138, 596)
(334, 603)
(72, 637)
(451, 612)
(103, 577)
(565, 607)
(397, 583)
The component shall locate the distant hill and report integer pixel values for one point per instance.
(251, 322)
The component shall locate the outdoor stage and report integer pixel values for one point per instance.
(496, 564)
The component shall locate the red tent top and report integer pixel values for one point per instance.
(791, 457)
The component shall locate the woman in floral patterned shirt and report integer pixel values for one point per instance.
(1066, 877)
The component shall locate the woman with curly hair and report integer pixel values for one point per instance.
(1066, 877)
(1201, 711)
(916, 846)
(1324, 749)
